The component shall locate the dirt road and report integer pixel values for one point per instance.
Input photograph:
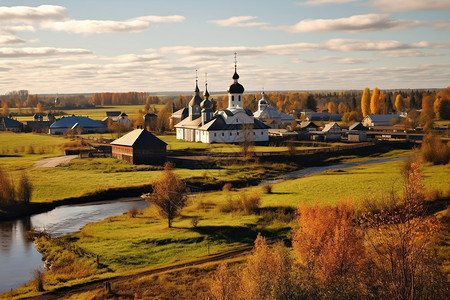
(54, 161)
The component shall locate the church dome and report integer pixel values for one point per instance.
(206, 104)
(196, 99)
(236, 88)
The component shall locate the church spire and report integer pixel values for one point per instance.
(197, 90)
(235, 75)
(206, 93)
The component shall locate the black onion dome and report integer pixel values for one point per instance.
(206, 104)
(235, 75)
(196, 99)
(236, 88)
(206, 93)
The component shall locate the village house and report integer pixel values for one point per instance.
(139, 147)
(77, 124)
(117, 118)
(9, 124)
(308, 126)
(371, 121)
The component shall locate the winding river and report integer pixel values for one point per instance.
(19, 257)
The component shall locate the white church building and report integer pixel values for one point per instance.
(233, 124)
(271, 116)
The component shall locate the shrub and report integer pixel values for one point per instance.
(24, 189)
(194, 221)
(433, 150)
(268, 188)
(245, 204)
(6, 189)
(133, 212)
(38, 280)
(227, 187)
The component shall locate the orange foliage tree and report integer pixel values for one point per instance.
(332, 107)
(5, 109)
(327, 243)
(169, 194)
(399, 237)
(375, 101)
(365, 102)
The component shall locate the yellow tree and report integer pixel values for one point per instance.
(169, 194)
(375, 104)
(399, 104)
(39, 107)
(365, 102)
(332, 107)
(5, 109)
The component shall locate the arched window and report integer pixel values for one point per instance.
(232, 98)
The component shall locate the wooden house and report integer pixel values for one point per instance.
(139, 147)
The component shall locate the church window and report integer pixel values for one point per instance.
(231, 133)
(215, 134)
(262, 133)
(223, 134)
(237, 133)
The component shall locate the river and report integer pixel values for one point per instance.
(18, 255)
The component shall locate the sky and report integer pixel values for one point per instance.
(85, 46)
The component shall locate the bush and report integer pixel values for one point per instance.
(227, 187)
(268, 188)
(6, 189)
(24, 189)
(133, 212)
(194, 221)
(38, 280)
(245, 204)
(433, 150)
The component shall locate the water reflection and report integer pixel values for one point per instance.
(18, 255)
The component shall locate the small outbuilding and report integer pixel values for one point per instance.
(139, 147)
(9, 124)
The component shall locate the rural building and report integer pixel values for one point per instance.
(178, 116)
(270, 116)
(358, 126)
(380, 120)
(139, 147)
(332, 127)
(118, 118)
(322, 116)
(308, 126)
(150, 120)
(80, 124)
(9, 124)
(356, 136)
(233, 124)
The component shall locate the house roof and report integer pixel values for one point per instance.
(330, 125)
(112, 113)
(357, 126)
(315, 116)
(308, 124)
(10, 123)
(69, 122)
(271, 112)
(181, 112)
(139, 137)
(382, 118)
(219, 123)
(187, 122)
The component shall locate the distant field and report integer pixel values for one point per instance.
(96, 113)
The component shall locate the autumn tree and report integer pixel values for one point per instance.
(5, 109)
(311, 103)
(365, 102)
(399, 104)
(169, 195)
(327, 243)
(427, 108)
(332, 107)
(6, 189)
(24, 189)
(399, 236)
(442, 104)
(39, 107)
(375, 101)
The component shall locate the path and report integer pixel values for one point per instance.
(54, 161)
(66, 292)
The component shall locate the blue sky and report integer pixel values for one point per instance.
(136, 45)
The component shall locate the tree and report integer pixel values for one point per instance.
(399, 104)
(375, 103)
(311, 103)
(24, 189)
(169, 195)
(399, 237)
(246, 138)
(39, 107)
(332, 107)
(327, 243)
(365, 102)
(5, 109)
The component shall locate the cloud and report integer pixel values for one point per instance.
(410, 5)
(161, 19)
(40, 52)
(357, 23)
(27, 14)
(241, 21)
(353, 61)
(10, 40)
(442, 24)
(322, 2)
(407, 53)
(107, 26)
(17, 28)
(97, 26)
(314, 60)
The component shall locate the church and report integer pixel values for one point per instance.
(234, 124)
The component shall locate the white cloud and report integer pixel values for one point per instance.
(97, 26)
(161, 19)
(353, 61)
(40, 52)
(357, 23)
(410, 5)
(241, 21)
(314, 60)
(17, 28)
(10, 40)
(27, 14)
(407, 53)
(322, 2)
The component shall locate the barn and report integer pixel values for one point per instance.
(139, 147)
